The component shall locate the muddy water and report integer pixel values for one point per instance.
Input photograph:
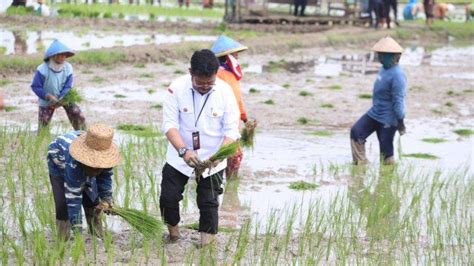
(30, 42)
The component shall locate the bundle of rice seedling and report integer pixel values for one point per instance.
(147, 225)
(223, 152)
(73, 96)
(248, 133)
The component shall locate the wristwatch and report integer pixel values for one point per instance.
(182, 151)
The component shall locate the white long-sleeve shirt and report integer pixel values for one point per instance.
(219, 119)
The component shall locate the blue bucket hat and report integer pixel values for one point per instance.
(225, 45)
(55, 48)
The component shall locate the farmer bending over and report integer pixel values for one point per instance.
(200, 114)
(80, 170)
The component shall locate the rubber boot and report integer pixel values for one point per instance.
(389, 161)
(64, 229)
(174, 233)
(358, 153)
(207, 239)
(93, 221)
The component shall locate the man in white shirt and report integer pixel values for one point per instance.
(200, 114)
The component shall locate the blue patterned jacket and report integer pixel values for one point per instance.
(76, 183)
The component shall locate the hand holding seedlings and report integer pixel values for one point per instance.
(191, 159)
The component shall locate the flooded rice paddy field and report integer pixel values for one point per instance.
(305, 101)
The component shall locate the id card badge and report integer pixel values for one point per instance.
(196, 141)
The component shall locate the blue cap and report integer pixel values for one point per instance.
(225, 45)
(57, 47)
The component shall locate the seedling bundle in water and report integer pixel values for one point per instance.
(73, 96)
(223, 152)
(248, 133)
(147, 225)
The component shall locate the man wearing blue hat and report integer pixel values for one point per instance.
(52, 81)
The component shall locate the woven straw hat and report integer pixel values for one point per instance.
(95, 148)
(387, 45)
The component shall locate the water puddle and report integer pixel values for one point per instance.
(30, 42)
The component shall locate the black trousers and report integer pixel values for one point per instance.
(301, 5)
(59, 194)
(387, 5)
(208, 191)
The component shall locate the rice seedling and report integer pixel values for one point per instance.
(147, 225)
(468, 91)
(327, 105)
(450, 93)
(449, 104)
(9, 108)
(276, 66)
(421, 156)
(98, 57)
(98, 79)
(119, 96)
(335, 87)
(4, 82)
(253, 90)
(305, 93)
(321, 133)
(365, 96)
(139, 130)
(464, 132)
(179, 72)
(146, 75)
(286, 85)
(434, 140)
(139, 65)
(436, 111)
(302, 185)
(303, 120)
(269, 102)
(221, 154)
(248, 133)
(73, 96)
(157, 106)
(151, 91)
(87, 71)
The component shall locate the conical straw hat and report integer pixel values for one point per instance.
(55, 48)
(387, 45)
(95, 148)
(225, 45)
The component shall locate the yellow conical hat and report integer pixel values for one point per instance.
(387, 45)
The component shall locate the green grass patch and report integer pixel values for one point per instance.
(253, 90)
(139, 130)
(449, 104)
(450, 93)
(4, 82)
(321, 133)
(302, 185)
(269, 102)
(151, 91)
(468, 91)
(327, 105)
(98, 79)
(20, 10)
(434, 140)
(286, 86)
(436, 111)
(139, 65)
(276, 66)
(421, 156)
(10, 108)
(179, 72)
(20, 64)
(464, 132)
(365, 96)
(335, 87)
(119, 96)
(87, 71)
(302, 120)
(156, 106)
(305, 93)
(98, 57)
(94, 10)
(146, 75)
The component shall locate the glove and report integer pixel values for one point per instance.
(105, 205)
(191, 159)
(401, 127)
